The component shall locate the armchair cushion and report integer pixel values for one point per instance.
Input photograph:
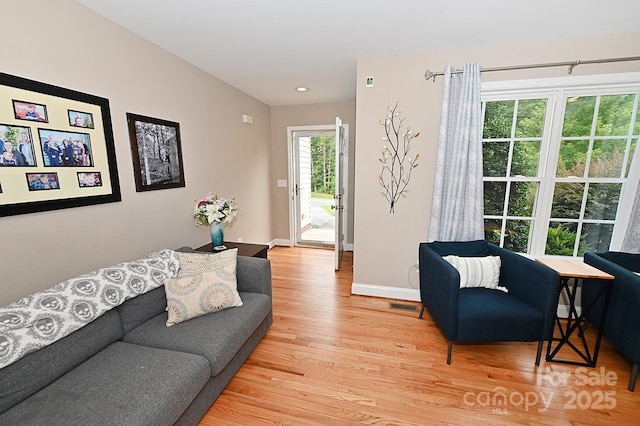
(525, 313)
(493, 316)
(477, 271)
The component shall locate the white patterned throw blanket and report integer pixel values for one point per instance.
(40, 319)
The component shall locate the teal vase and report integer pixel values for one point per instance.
(217, 234)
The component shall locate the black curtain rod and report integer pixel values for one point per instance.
(571, 64)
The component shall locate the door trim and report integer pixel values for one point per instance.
(291, 174)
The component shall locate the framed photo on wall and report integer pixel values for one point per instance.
(42, 150)
(157, 153)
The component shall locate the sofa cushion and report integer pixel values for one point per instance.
(201, 294)
(38, 369)
(217, 336)
(199, 262)
(142, 308)
(205, 284)
(123, 384)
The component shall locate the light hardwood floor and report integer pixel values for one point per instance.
(332, 358)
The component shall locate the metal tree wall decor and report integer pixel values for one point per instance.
(397, 164)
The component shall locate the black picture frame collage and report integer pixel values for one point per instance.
(54, 136)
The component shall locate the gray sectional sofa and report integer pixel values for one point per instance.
(128, 368)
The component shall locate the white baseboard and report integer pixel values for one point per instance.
(385, 292)
(414, 295)
(280, 242)
(563, 311)
(289, 243)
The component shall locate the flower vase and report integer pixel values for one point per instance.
(217, 234)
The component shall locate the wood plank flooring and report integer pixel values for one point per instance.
(332, 358)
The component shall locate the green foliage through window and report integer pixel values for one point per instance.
(596, 144)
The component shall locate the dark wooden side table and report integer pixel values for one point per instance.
(244, 249)
(576, 270)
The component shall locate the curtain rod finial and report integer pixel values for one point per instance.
(428, 74)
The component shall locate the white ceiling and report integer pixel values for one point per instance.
(266, 48)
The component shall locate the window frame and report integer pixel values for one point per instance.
(556, 90)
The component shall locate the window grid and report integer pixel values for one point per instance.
(541, 219)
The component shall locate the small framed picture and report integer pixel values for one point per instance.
(80, 119)
(42, 181)
(16, 146)
(157, 153)
(89, 179)
(30, 111)
(66, 149)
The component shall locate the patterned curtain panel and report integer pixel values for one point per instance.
(626, 232)
(457, 209)
(631, 242)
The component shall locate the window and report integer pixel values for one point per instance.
(556, 157)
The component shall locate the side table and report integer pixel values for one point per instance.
(244, 249)
(567, 270)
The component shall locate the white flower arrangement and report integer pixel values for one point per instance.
(214, 209)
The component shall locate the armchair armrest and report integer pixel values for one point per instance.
(623, 322)
(439, 286)
(530, 281)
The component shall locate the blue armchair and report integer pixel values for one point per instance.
(526, 313)
(622, 324)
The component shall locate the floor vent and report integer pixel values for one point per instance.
(403, 307)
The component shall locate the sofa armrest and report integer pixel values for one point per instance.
(530, 281)
(439, 287)
(254, 275)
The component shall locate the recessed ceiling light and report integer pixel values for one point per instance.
(302, 89)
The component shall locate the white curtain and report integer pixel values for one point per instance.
(626, 234)
(457, 210)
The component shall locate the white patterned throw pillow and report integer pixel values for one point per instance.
(477, 271)
(205, 283)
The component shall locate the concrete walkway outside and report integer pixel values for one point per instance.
(322, 223)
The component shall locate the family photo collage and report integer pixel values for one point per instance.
(55, 148)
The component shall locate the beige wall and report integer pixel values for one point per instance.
(386, 245)
(305, 115)
(64, 44)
